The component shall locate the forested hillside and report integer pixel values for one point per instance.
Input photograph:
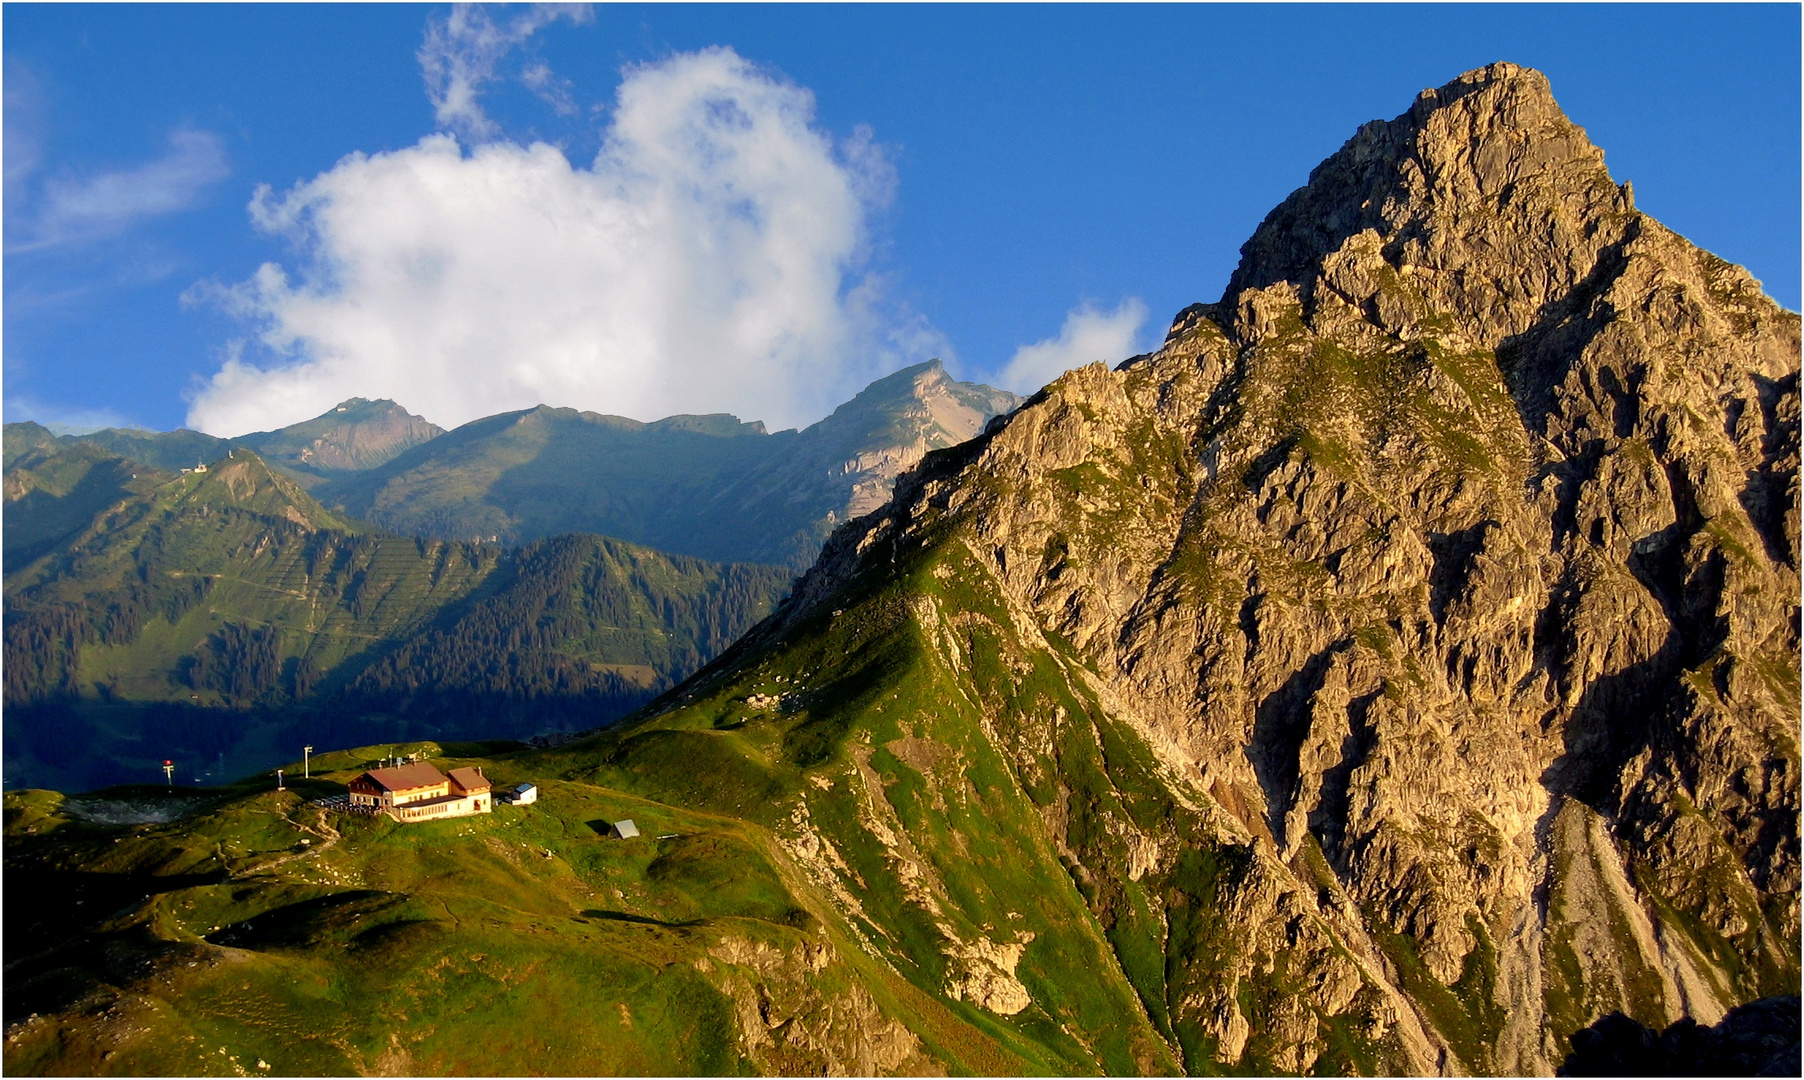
(215, 617)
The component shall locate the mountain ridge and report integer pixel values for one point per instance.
(153, 615)
(710, 486)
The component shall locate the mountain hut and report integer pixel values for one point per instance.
(419, 792)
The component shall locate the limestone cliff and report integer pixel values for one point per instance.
(1454, 554)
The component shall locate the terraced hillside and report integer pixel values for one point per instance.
(208, 617)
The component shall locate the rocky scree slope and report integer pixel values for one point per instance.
(1446, 571)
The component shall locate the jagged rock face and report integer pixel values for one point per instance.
(846, 465)
(1457, 545)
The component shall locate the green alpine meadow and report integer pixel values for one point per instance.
(1396, 672)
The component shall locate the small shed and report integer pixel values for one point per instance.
(524, 795)
(622, 830)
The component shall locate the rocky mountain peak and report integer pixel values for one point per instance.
(354, 435)
(1453, 554)
(891, 425)
(1483, 195)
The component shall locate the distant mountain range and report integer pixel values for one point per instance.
(366, 574)
(358, 434)
(214, 615)
(707, 486)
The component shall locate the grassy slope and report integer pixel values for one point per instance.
(932, 747)
(513, 943)
(171, 450)
(730, 783)
(51, 495)
(23, 437)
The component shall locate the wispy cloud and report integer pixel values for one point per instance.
(1088, 335)
(710, 259)
(81, 208)
(24, 109)
(463, 52)
(552, 89)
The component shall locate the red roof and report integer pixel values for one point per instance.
(406, 777)
(470, 780)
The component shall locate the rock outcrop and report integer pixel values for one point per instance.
(1454, 554)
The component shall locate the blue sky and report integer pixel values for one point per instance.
(790, 200)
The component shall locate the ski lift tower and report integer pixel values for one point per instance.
(169, 772)
(306, 762)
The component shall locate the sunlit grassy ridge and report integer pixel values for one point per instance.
(481, 945)
(259, 928)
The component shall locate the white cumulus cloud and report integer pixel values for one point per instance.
(708, 260)
(1088, 335)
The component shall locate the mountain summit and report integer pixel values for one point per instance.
(357, 434)
(1447, 568)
